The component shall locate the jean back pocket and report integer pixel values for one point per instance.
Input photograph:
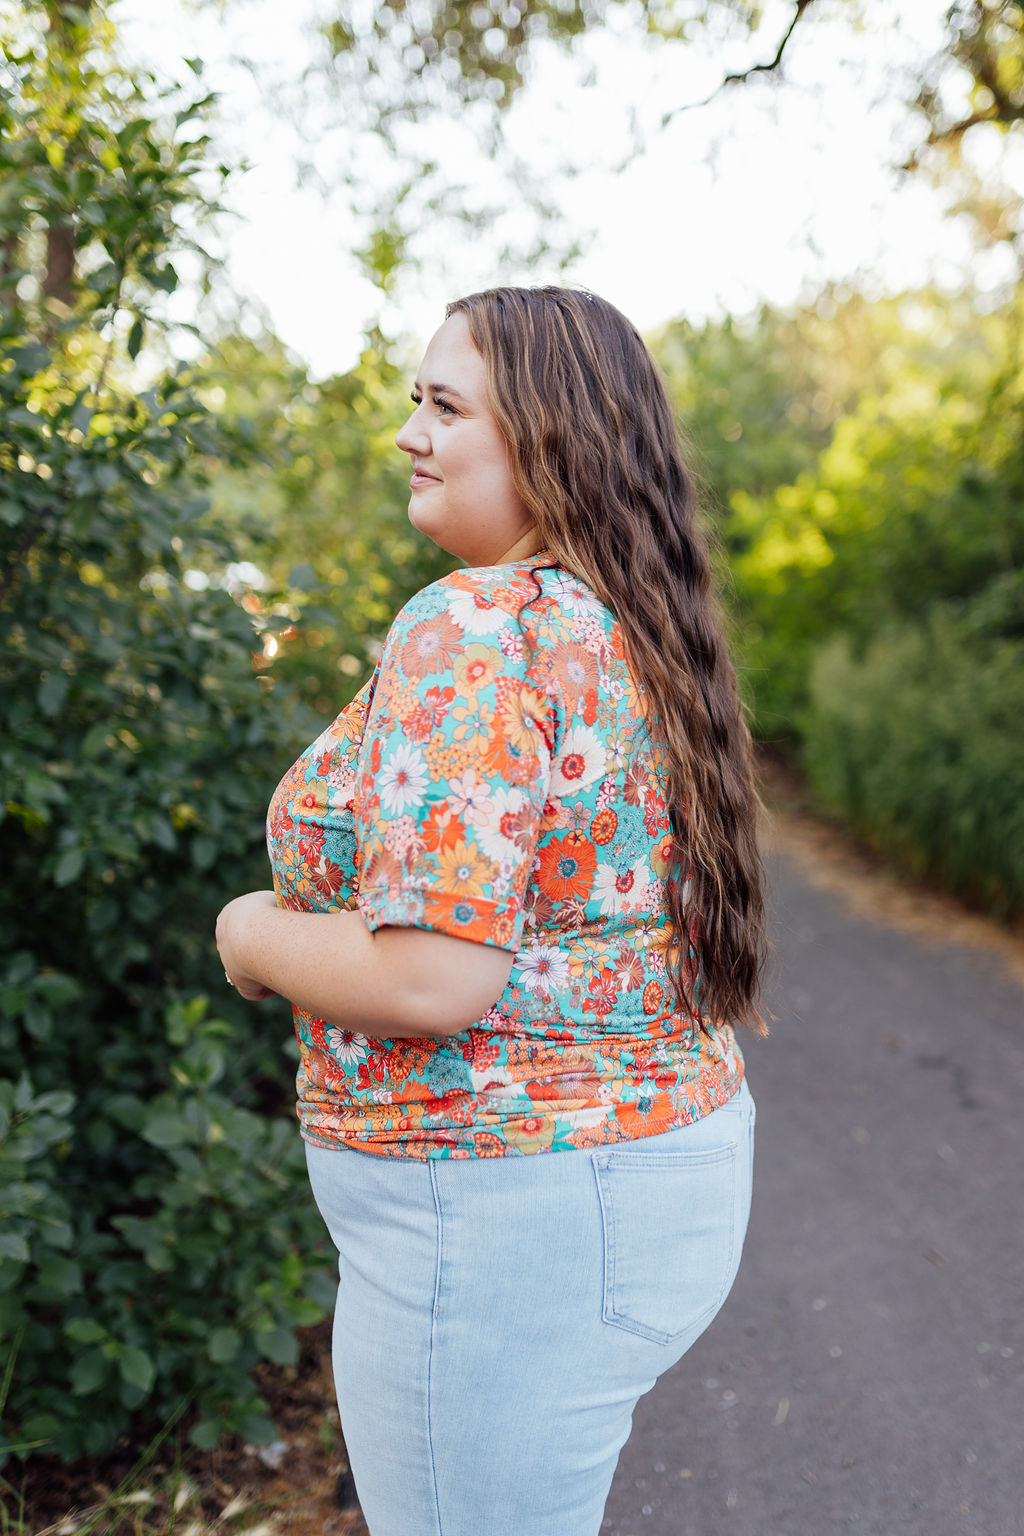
(669, 1223)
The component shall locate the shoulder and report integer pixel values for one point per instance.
(535, 619)
(482, 600)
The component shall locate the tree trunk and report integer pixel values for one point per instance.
(8, 264)
(65, 37)
(60, 263)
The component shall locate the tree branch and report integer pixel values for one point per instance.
(1002, 110)
(744, 75)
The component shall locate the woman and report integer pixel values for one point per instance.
(484, 870)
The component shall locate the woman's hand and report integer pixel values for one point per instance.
(235, 943)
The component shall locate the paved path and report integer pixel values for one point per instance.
(866, 1374)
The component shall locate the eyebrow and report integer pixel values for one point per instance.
(437, 389)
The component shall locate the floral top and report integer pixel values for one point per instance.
(494, 780)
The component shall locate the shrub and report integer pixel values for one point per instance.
(918, 743)
(204, 1262)
(151, 1243)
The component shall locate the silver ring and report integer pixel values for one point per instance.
(227, 978)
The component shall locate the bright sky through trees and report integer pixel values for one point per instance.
(774, 188)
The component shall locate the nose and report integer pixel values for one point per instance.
(412, 438)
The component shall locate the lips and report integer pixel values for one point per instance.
(420, 477)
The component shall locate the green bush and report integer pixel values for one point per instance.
(152, 1243)
(156, 1233)
(918, 743)
(204, 1264)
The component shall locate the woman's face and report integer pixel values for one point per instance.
(462, 492)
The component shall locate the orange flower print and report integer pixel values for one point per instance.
(604, 992)
(418, 1054)
(475, 668)
(425, 718)
(598, 1134)
(567, 866)
(524, 719)
(641, 1117)
(629, 969)
(311, 842)
(604, 826)
(483, 1050)
(430, 646)
(663, 855)
(471, 729)
(652, 997)
(383, 868)
(656, 818)
(530, 1133)
(577, 667)
(444, 758)
(327, 879)
(442, 828)
(487, 1144)
(462, 871)
(457, 1106)
(310, 801)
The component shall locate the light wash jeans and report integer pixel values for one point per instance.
(498, 1318)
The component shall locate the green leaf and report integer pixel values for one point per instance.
(56, 1102)
(60, 1275)
(14, 1246)
(279, 1345)
(136, 1367)
(206, 1434)
(69, 866)
(257, 1429)
(135, 337)
(85, 1330)
(52, 692)
(40, 1426)
(225, 1344)
(165, 1130)
(89, 1372)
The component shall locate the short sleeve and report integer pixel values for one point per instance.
(455, 765)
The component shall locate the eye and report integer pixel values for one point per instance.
(444, 406)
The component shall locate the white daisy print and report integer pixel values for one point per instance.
(620, 890)
(571, 596)
(476, 615)
(541, 968)
(580, 761)
(345, 1046)
(497, 836)
(403, 778)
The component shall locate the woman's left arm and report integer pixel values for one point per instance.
(394, 981)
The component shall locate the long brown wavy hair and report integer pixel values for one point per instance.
(596, 459)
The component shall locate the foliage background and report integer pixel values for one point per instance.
(198, 572)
